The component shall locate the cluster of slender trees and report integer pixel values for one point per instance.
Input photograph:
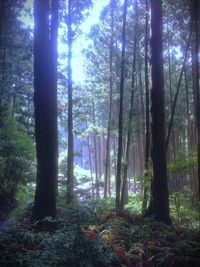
(45, 101)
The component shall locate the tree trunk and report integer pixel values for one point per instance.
(95, 154)
(90, 164)
(196, 27)
(160, 201)
(177, 93)
(107, 161)
(147, 137)
(124, 194)
(45, 101)
(70, 152)
(120, 152)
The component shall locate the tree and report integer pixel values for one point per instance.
(16, 158)
(70, 153)
(147, 138)
(160, 203)
(107, 161)
(45, 102)
(73, 18)
(120, 136)
(196, 27)
(124, 195)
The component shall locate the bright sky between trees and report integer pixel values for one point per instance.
(81, 42)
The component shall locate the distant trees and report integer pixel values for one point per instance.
(45, 101)
(117, 83)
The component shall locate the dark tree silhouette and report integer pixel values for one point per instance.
(159, 207)
(45, 101)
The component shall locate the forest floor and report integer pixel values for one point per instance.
(94, 235)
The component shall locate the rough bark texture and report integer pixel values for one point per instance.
(70, 151)
(120, 152)
(160, 202)
(45, 101)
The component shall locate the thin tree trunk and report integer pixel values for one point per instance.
(196, 26)
(70, 151)
(99, 152)
(95, 155)
(90, 164)
(107, 161)
(124, 194)
(147, 137)
(120, 137)
(177, 93)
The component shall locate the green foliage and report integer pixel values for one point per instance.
(135, 203)
(182, 163)
(24, 197)
(16, 158)
(183, 208)
(93, 235)
(66, 245)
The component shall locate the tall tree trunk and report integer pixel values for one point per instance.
(45, 101)
(90, 164)
(99, 153)
(160, 201)
(120, 137)
(147, 137)
(95, 154)
(70, 152)
(124, 194)
(107, 161)
(196, 27)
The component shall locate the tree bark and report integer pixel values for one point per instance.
(160, 201)
(120, 152)
(45, 101)
(177, 93)
(107, 161)
(196, 27)
(147, 133)
(95, 155)
(124, 194)
(70, 151)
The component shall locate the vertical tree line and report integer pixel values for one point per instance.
(45, 101)
(70, 149)
(122, 74)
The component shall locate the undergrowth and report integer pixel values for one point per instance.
(94, 235)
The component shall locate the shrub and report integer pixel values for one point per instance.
(16, 158)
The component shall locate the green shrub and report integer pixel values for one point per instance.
(16, 158)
